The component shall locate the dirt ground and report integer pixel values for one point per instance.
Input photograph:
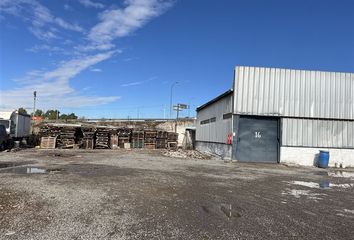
(121, 194)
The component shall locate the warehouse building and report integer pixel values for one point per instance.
(281, 115)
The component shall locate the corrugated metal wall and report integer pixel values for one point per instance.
(317, 133)
(215, 131)
(293, 93)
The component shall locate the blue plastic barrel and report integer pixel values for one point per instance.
(323, 159)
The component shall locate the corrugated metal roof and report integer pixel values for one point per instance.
(293, 93)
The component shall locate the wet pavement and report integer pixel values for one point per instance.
(76, 194)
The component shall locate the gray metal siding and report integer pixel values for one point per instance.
(215, 131)
(317, 133)
(293, 93)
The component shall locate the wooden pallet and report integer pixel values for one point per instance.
(150, 145)
(172, 145)
(48, 142)
(114, 141)
(137, 143)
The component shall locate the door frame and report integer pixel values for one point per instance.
(235, 131)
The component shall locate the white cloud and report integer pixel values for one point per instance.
(68, 7)
(130, 84)
(47, 48)
(96, 70)
(121, 22)
(40, 17)
(90, 3)
(53, 87)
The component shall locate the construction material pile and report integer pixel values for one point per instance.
(180, 153)
(66, 136)
(103, 137)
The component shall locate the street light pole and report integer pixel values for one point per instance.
(34, 102)
(171, 98)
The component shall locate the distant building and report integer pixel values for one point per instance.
(281, 115)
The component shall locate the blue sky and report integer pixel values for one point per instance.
(111, 58)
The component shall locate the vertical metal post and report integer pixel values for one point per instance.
(177, 117)
(171, 98)
(34, 102)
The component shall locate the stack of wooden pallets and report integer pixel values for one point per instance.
(172, 140)
(161, 139)
(66, 136)
(102, 138)
(137, 139)
(88, 139)
(114, 138)
(150, 139)
(124, 137)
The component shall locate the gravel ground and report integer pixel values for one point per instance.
(141, 194)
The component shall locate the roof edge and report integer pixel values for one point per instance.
(225, 94)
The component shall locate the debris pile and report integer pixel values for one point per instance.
(180, 153)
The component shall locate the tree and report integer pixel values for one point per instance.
(64, 116)
(72, 116)
(21, 110)
(38, 113)
(51, 114)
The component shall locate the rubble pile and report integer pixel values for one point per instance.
(180, 153)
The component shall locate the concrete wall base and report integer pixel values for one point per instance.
(309, 156)
(219, 149)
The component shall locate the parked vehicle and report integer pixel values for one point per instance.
(4, 138)
(17, 125)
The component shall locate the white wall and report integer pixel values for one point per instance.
(308, 156)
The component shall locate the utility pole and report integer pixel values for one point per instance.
(173, 84)
(34, 102)
(179, 107)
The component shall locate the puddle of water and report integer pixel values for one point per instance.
(225, 210)
(325, 184)
(31, 170)
(7, 165)
(36, 170)
(341, 174)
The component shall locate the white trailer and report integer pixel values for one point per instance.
(18, 125)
